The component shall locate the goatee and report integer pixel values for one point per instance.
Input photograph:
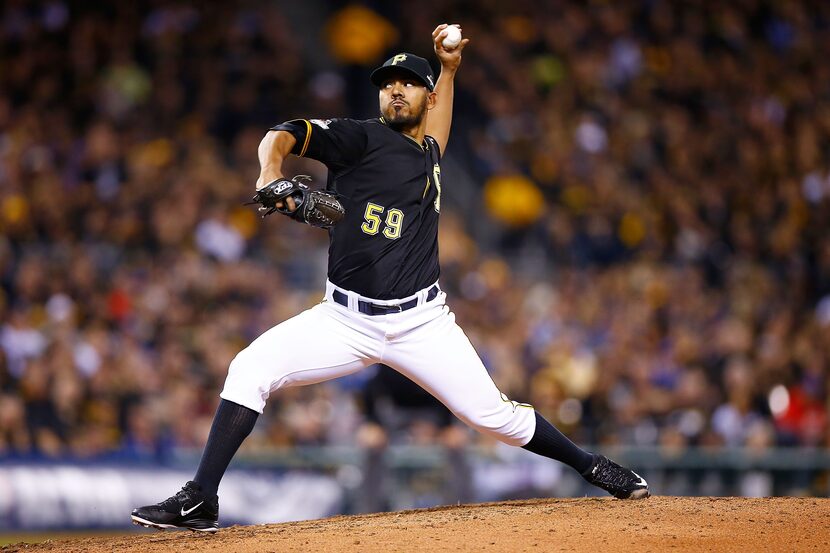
(400, 123)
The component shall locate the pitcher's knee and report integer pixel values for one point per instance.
(247, 382)
(513, 425)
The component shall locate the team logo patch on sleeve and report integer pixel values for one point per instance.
(323, 124)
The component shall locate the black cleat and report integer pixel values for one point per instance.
(619, 481)
(187, 509)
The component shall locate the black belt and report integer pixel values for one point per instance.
(375, 309)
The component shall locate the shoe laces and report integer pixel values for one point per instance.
(183, 496)
(610, 473)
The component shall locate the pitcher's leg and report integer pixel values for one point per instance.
(315, 346)
(441, 359)
(312, 347)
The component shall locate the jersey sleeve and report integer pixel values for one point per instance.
(338, 143)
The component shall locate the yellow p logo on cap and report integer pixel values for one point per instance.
(399, 57)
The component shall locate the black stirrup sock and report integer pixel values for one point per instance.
(550, 442)
(231, 425)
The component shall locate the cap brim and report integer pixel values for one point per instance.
(380, 74)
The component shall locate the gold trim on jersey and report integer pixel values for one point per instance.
(516, 404)
(436, 176)
(307, 137)
(426, 189)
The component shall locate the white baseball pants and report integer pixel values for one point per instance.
(423, 343)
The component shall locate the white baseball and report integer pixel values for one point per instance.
(453, 38)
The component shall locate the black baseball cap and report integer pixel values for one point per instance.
(405, 62)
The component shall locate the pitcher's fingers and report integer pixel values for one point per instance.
(438, 29)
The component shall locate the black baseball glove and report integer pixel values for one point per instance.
(314, 207)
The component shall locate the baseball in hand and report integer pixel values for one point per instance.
(453, 38)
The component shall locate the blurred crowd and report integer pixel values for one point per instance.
(656, 178)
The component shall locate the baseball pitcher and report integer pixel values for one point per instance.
(383, 301)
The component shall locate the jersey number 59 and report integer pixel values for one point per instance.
(372, 221)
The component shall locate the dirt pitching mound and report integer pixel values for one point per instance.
(656, 524)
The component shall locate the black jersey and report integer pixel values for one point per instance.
(386, 247)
